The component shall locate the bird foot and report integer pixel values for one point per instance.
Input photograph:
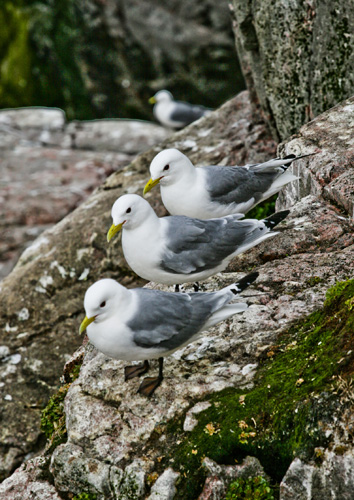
(133, 371)
(149, 385)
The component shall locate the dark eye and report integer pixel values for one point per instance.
(166, 167)
(128, 210)
(103, 303)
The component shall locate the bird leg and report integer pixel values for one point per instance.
(196, 286)
(136, 370)
(150, 384)
(179, 288)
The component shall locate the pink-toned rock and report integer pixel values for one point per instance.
(48, 167)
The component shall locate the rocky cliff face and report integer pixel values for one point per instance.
(298, 58)
(273, 383)
(41, 300)
(101, 59)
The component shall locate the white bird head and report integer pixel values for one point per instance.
(130, 210)
(161, 96)
(101, 301)
(168, 167)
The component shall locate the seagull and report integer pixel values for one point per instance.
(177, 249)
(215, 191)
(142, 324)
(175, 114)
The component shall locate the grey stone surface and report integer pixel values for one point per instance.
(334, 478)
(28, 483)
(297, 57)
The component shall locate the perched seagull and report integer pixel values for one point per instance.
(142, 324)
(175, 114)
(215, 191)
(177, 249)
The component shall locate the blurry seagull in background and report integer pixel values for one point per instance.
(215, 191)
(175, 114)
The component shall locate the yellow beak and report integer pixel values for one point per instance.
(113, 230)
(150, 185)
(86, 322)
(152, 100)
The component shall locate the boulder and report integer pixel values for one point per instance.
(297, 57)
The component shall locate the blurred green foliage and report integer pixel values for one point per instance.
(16, 85)
(67, 54)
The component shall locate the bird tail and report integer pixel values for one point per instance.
(275, 219)
(243, 283)
(227, 309)
(277, 163)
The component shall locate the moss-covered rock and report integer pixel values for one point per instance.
(288, 412)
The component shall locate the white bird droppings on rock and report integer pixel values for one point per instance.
(190, 421)
(23, 315)
(15, 359)
(55, 265)
(4, 351)
(249, 369)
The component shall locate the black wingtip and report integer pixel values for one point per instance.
(294, 157)
(244, 282)
(274, 219)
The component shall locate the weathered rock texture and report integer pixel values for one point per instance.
(297, 57)
(49, 166)
(100, 59)
(119, 442)
(41, 300)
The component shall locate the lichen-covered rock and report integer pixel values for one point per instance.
(333, 478)
(41, 300)
(28, 482)
(297, 57)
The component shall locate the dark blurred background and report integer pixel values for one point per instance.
(105, 58)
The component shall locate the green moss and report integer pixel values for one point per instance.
(85, 496)
(16, 84)
(251, 488)
(264, 209)
(53, 416)
(285, 414)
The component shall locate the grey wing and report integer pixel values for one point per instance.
(186, 113)
(237, 184)
(168, 320)
(195, 245)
